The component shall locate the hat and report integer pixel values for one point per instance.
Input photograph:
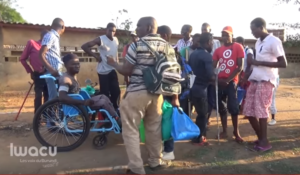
(133, 33)
(227, 29)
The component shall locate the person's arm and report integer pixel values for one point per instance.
(87, 48)
(64, 85)
(248, 71)
(25, 56)
(215, 59)
(47, 43)
(279, 54)
(124, 51)
(209, 69)
(240, 63)
(129, 62)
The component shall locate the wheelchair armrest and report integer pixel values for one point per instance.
(79, 97)
(47, 76)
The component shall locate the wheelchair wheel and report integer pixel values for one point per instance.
(57, 122)
(100, 141)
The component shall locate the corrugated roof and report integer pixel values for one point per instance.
(101, 29)
(43, 25)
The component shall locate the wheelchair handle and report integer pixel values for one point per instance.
(49, 76)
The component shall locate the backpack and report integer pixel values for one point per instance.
(164, 76)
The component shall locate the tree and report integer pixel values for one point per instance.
(8, 13)
(125, 25)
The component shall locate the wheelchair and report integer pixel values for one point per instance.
(72, 123)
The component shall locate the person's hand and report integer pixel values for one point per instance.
(110, 60)
(88, 102)
(252, 61)
(175, 102)
(222, 82)
(98, 57)
(31, 76)
(54, 73)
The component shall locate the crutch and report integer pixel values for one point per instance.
(217, 71)
(31, 84)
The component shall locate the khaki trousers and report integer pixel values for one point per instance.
(134, 107)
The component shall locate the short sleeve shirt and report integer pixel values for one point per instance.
(139, 55)
(227, 57)
(267, 50)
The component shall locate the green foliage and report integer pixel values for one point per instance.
(8, 13)
(125, 25)
(292, 41)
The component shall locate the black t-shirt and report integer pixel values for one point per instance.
(201, 63)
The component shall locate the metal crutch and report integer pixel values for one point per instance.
(217, 71)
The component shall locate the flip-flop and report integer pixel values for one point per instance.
(262, 149)
(239, 140)
(222, 136)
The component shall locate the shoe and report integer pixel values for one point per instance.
(162, 166)
(272, 122)
(168, 156)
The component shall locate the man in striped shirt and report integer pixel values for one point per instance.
(186, 41)
(137, 103)
(50, 54)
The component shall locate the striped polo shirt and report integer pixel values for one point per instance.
(53, 55)
(182, 43)
(139, 55)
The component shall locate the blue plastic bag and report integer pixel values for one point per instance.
(183, 127)
(240, 95)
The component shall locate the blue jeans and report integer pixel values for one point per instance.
(52, 90)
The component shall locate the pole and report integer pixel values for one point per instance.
(31, 84)
(217, 104)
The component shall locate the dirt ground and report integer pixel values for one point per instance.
(229, 157)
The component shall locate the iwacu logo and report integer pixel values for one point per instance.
(32, 151)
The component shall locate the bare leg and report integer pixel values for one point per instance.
(263, 141)
(256, 126)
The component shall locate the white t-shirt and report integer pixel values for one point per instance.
(267, 50)
(107, 47)
(245, 59)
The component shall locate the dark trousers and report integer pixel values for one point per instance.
(228, 94)
(109, 86)
(201, 107)
(211, 99)
(40, 90)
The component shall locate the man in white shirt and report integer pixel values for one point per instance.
(108, 78)
(270, 56)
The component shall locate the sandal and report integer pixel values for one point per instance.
(202, 143)
(262, 149)
(222, 136)
(238, 138)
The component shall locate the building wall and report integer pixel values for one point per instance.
(14, 77)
